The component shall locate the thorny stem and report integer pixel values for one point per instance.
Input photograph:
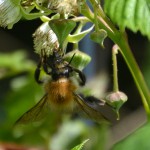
(120, 39)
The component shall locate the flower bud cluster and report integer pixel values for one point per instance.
(45, 39)
(67, 7)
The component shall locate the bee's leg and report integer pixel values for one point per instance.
(45, 63)
(37, 73)
(81, 75)
(45, 67)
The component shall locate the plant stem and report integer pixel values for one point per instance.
(75, 46)
(120, 39)
(115, 70)
(125, 50)
(136, 73)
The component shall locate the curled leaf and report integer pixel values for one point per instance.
(79, 36)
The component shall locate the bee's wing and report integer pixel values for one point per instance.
(93, 108)
(36, 113)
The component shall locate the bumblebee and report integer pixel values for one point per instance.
(61, 92)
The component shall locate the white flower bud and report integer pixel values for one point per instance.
(45, 39)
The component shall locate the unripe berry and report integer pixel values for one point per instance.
(116, 100)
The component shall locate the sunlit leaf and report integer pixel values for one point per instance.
(62, 28)
(80, 146)
(133, 14)
(79, 36)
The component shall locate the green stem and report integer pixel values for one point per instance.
(75, 46)
(136, 73)
(115, 70)
(125, 50)
(95, 18)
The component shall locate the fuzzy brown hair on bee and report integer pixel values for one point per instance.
(61, 95)
(60, 88)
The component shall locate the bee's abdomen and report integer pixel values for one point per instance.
(60, 93)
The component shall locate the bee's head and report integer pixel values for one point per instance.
(57, 57)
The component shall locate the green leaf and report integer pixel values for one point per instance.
(133, 14)
(62, 28)
(80, 146)
(79, 36)
(137, 141)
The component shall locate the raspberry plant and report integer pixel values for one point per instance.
(64, 20)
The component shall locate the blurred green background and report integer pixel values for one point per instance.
(19, 92)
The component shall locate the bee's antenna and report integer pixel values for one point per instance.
(71, 59)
